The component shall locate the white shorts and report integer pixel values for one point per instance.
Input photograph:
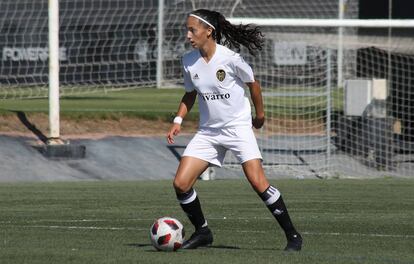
(211, 144)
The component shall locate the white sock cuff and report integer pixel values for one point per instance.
(273, 195)
(190, 198)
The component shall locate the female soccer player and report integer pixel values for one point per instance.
(217, 76)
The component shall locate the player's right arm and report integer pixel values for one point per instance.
(185, 106)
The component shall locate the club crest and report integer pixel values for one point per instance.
(220, 74)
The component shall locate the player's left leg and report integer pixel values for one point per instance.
(272, 198)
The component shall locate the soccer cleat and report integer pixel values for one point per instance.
(294, 242)
(200, 238)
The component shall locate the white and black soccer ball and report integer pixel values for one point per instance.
(167, 234)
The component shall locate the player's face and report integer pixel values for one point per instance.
(197, 33)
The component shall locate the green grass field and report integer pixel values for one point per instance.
(144, 103)
(342, 221)
(153, 103)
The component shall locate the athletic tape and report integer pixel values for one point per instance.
(178, 120)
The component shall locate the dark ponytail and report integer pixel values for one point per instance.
(231, 35)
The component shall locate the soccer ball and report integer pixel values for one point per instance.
(167, 234)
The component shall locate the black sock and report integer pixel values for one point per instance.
(191, 206)
(274, 202)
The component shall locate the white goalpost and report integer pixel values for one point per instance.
(54, 105)
(336, 23)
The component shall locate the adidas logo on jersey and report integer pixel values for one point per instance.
(196, 77)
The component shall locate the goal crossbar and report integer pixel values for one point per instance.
(369, 23)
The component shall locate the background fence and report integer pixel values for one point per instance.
(338, 99)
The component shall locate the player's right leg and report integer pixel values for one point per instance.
(188, 171)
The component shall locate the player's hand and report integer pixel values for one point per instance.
(174, 130)
(258, 122)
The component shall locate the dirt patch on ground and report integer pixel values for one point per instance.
(38, 124)
(288, 126)
(34, 124)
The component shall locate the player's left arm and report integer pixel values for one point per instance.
(257, 99)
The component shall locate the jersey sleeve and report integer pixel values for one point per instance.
(188, 83)
(243, 70)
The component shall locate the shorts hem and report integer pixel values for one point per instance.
(251, 158)
(201, 158)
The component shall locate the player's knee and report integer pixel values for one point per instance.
(181, 186)
(259, 184)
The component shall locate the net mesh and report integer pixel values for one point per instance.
(327, 114)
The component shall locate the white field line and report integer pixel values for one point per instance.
(96, 220)
(128, 220)
(82, 227)
(77, 220)
(408, 236)
(329, 234)
(358, 234)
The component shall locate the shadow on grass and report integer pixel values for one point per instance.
(23, 118)
(139, 245)
(224, 247)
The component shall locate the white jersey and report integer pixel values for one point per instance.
(220, 87)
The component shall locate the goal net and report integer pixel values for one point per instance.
(338, 98)
(112, 44)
